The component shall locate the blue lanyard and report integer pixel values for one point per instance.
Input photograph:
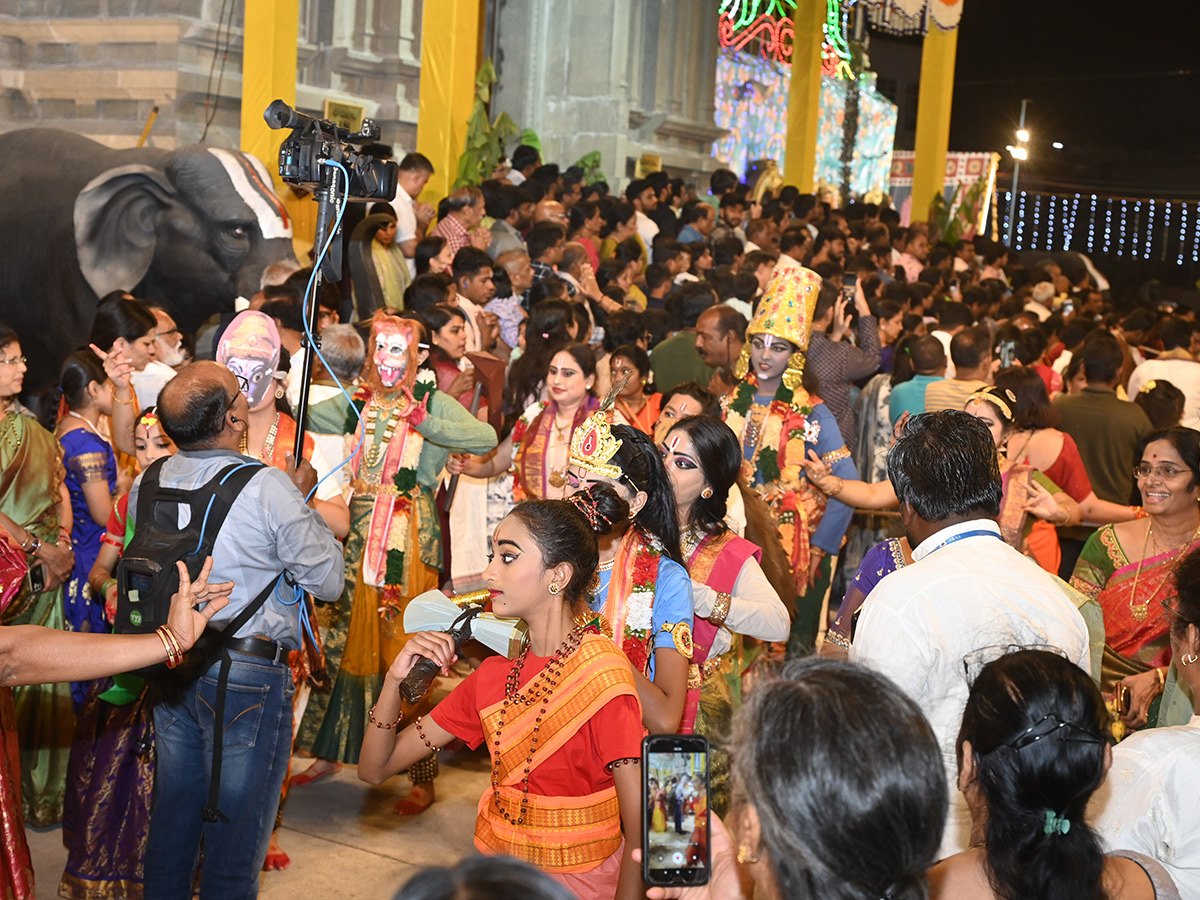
(978, 532)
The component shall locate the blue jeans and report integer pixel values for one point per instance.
(258, 742)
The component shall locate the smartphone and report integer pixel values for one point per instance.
(849, 283)
(675, 828)
(37, 578)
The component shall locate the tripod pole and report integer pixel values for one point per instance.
(326, 201)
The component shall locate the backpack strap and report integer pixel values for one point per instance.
(212, 812)
(148, 490)
(217, 497)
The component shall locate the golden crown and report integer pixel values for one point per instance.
(593, 445)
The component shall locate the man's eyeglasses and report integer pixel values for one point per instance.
(243, 389)
(15, 361)
(1145, 470)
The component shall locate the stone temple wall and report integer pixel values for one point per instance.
(625, 77)
(98, 67)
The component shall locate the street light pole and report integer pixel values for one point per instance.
(1012, 203)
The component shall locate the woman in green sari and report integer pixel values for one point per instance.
(1129, 568)
(32, 499)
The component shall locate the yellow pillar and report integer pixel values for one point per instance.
(933, 118)
(450, 46)
(272, 29)
(804, 97)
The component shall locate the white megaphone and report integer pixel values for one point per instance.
(462, 617)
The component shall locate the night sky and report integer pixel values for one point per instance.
(1121, 94)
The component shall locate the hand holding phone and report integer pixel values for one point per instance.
(675, 827)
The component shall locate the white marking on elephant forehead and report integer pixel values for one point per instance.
(272, 220)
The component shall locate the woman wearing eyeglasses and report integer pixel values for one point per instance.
(1130, 569)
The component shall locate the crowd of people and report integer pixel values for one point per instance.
(909, 529)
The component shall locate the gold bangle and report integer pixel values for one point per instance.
(720, 610)
(112, 389)
(841, 483)
(174, 653)
(174, 638)
(1162, 679)
(384, 725)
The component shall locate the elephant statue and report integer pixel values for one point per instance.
(190, 229)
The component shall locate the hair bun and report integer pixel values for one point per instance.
(602, 506)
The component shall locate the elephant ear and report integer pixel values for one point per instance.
(116, 217)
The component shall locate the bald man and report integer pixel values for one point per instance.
(550, 211)
(271, 530)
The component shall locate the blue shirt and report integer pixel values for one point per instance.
(269, 529)
(909, 396)
(828, 535)
(689, 235)
(672, 603)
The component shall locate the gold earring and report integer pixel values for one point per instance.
(743, 856)
(554, 588)
(279, 393)
(706, 493)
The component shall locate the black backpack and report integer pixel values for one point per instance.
(146, 573)
(147, 577)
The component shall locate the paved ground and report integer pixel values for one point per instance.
(342, 836)
(665, 845)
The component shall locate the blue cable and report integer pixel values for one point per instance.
(297, 591)
(208, 509)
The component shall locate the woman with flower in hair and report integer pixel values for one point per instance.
(561, 722)
(643, 589)
(407, 430)
(776, 420)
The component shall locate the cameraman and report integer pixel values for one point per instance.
(269, 530)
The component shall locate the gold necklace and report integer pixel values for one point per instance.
(379, 448)
(1141, 611)
(560, 430)
(268, 444)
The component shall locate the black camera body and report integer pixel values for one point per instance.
(304, 153)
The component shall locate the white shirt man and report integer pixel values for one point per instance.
(967, 598)
(1145, 803)
(646, 228)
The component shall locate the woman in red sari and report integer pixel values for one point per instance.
(562, 721)
(1130, 569)
(539, 447)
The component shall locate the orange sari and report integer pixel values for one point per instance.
(561, 834)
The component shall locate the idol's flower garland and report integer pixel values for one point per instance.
(633, 613)
(400, 538)
(523, 423)
(769, 443)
